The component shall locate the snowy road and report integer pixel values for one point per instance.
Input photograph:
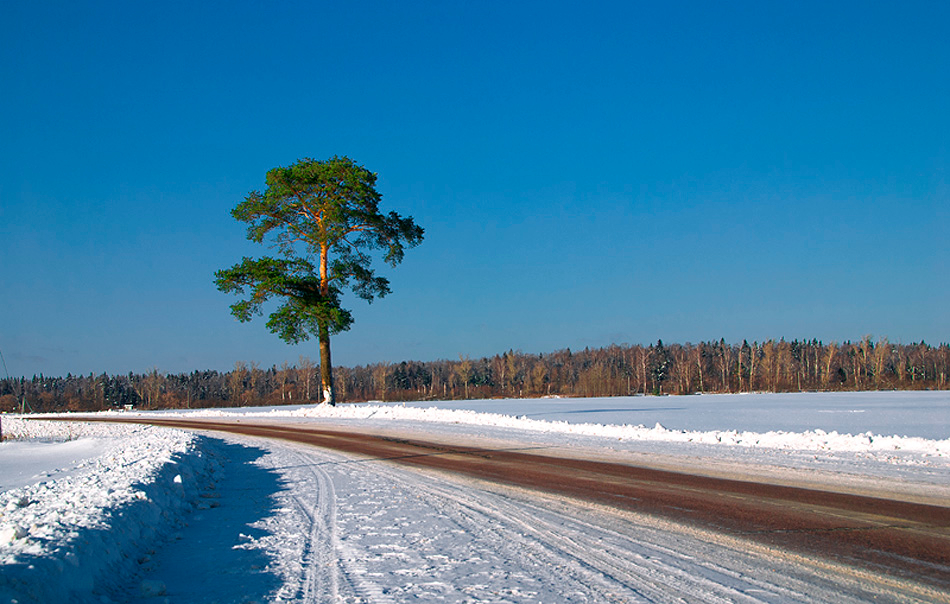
(908, 538)
(349, 529)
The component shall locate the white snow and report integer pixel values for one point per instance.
(27, 462)
(75, 517)
(101, 512)
(875, 433)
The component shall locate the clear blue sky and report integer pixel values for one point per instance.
(587, 173)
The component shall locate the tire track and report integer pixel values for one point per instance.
(320, 580)
(593, 553)
(621, 557)
(328, 560)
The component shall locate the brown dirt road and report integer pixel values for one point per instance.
(906, 539)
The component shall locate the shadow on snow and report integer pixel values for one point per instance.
(212, 556)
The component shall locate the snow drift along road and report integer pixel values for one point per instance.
(86, 527)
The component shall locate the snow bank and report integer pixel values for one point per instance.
(18, 429)
(70, 538)
(810, 440)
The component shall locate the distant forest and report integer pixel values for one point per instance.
(659, 369)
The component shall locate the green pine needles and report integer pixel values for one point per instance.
(323, 218)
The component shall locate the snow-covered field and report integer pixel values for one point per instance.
(118, 513)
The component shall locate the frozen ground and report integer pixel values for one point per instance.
(90, 512)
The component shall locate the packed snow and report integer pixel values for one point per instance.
(80, 500)
(95, 512)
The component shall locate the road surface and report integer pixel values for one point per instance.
(904, 539)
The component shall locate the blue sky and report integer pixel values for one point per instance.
(587, 173)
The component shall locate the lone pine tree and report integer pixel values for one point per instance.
(323, 217)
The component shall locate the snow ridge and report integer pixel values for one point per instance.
(810, 440)
(68, 539)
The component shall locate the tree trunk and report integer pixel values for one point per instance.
(752, 359)
(326, 368)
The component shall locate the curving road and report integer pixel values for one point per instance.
(904, 539)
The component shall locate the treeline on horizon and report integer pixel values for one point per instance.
(617, 370)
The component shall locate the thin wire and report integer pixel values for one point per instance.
(23, 403)
(8, 379)
(4, 365)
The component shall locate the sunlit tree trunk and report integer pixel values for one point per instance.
(700, 353)
(830, 353)
(753, 356)
(326, 367)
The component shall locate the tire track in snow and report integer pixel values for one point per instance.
(328, 559)
(319, 579)
(533, 531)
(621, 556)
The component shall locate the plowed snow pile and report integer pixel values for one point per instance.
(84, 521)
